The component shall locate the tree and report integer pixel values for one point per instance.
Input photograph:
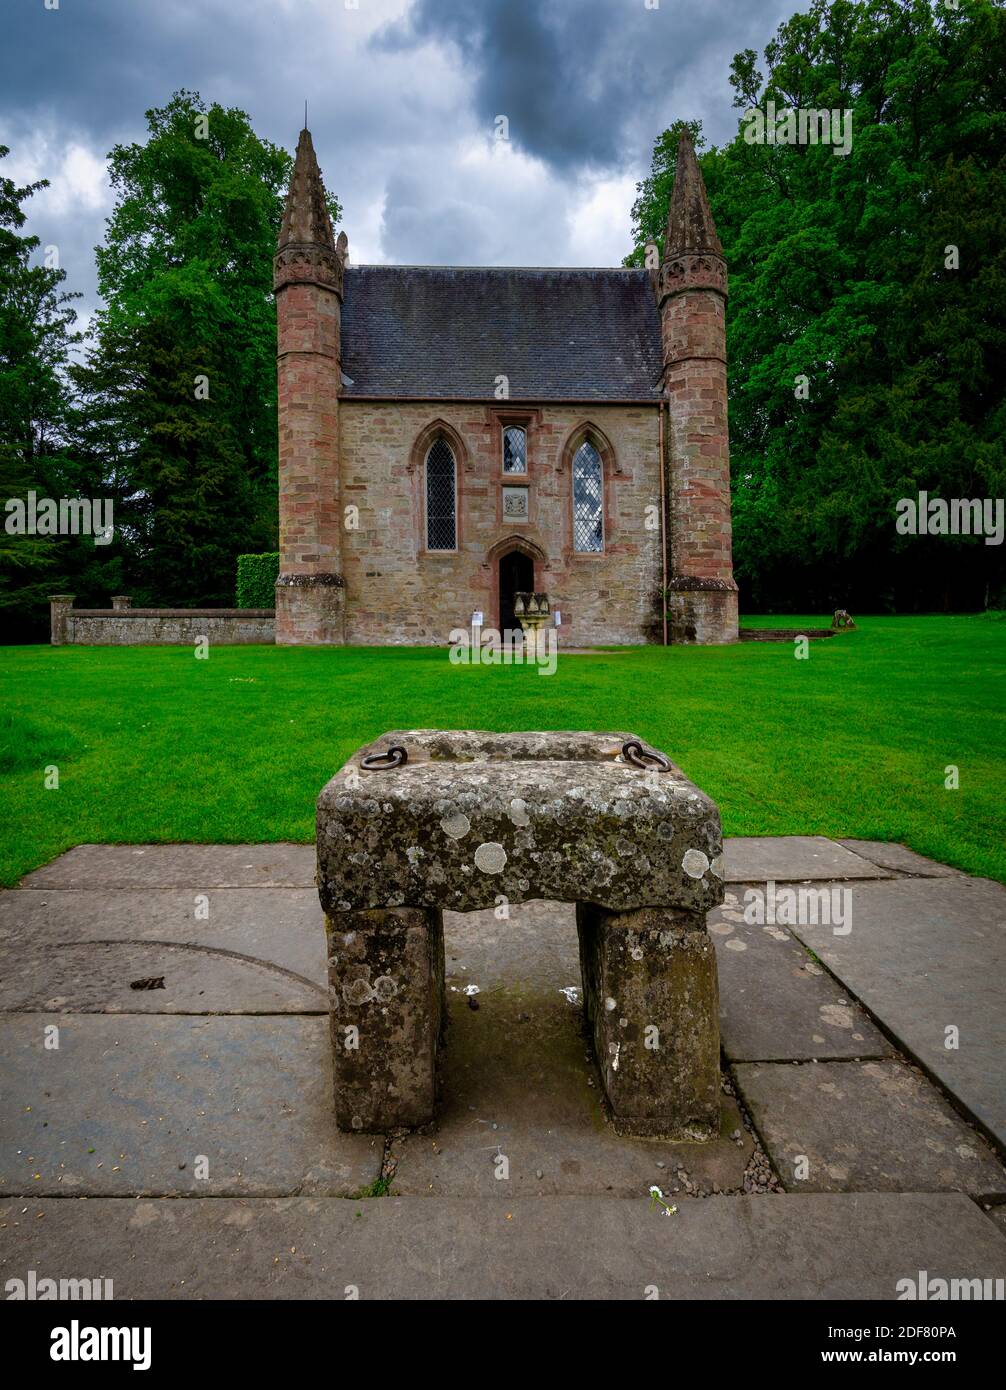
(842, 277)
(180, 385)
(36, 335)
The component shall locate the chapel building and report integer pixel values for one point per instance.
(452, 435)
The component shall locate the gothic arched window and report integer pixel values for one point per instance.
(588, 500)
(441, 497)
(514, 449)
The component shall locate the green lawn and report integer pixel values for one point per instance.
(152, 744)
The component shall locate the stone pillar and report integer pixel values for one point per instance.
(652, 1003)
(61, 619)
(310, 609)
(533, 612)
(691, 289)
(387, 1010)
(308, 283)
(121, 602)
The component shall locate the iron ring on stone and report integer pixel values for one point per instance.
(395, 756)
(633, 752)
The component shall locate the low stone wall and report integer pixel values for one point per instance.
(125, 626)
(783, 634)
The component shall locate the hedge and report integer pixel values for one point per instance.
(256, 586)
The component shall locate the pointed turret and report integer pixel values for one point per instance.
(691, 290)
(690, 226)
(306, 249)
(308, 280)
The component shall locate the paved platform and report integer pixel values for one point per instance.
(779, 1247)
(187, 985)
(928, 956)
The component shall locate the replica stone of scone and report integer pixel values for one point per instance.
(471, 817)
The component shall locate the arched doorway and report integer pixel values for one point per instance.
(516, 575)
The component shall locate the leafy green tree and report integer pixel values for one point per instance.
(842, 273)
(36, 336)
(179, 390)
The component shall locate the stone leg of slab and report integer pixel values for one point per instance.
(227, 950)
(776, 1002)
(865, 1127)
(95, 1105)
(280, 865)
(652, 1006)
(927, 956)
(563, 1248)
(386, 996)
(791, 858)
(899, 859)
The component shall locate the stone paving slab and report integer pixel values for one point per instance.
(131, 978)
(258, 950)
(777, 1247)
(865, 1127)
(195, 867)
(776, 1002)
(924, 955)
(522, 1112)
(899, 859)
(126, 1105)
(792, 858)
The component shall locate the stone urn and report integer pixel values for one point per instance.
(533, 612)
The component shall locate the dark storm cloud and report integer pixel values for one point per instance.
(582, 82)
(402, 103)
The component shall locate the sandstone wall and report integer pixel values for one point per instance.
(398, 592)
(135, 627)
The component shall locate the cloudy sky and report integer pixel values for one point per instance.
(404, 97)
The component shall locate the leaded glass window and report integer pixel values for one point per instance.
(441, 498)
(514, 450)
(588, 500)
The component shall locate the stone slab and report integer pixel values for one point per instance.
(519, 1082)
(196, 867)
(126, 1105)
(131, 978)
(472, 816)
(79, 950)
(565, 1248)
(792, 858)
(777, 1003)
(899, 859)
(924, 955)
(875, 1126)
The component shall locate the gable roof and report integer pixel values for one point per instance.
(433, 332)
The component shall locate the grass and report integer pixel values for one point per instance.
(380, 1187)
(153, 745)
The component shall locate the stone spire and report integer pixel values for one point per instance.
(690, 226)
(691, 290)
(306, 249)
(307, 277)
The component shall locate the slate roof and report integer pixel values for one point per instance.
(429, 332)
